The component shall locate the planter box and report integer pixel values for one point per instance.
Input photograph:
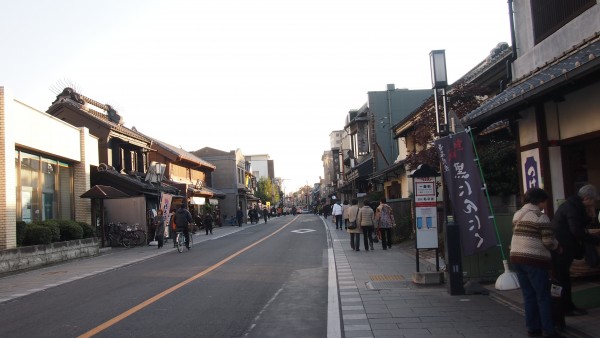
(29, 257)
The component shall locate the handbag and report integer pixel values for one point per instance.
(353, 225)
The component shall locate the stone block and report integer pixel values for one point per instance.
(436, 277)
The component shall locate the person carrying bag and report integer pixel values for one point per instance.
(353, 225)
(366, 221)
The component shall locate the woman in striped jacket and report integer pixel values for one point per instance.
(530, 254)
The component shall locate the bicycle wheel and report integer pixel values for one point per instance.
(141, 237)
(180, 241)
(129, 239)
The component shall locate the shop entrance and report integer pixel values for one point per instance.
(581, 163)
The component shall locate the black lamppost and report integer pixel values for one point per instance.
(158, 206)
(439, 81)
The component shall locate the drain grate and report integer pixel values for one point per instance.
(380, 278)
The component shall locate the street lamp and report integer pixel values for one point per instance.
(158, 206)
(439, 80)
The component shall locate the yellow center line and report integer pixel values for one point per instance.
(157, 297)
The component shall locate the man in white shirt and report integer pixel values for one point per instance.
(337, 212)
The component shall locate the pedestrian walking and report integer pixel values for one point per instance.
(208, 223)
(569, 224)
(345, 207)
(384, 217)
(326, 210)
(265, 214)
(239, 215)
(159, 232)
(366, 221)
(354, 229)
(530, 254)
(336, 213)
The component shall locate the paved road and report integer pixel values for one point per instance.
(369, 293)
(259, 281)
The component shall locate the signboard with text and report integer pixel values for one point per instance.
(425, 212)
(463, 180)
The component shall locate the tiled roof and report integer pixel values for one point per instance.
(78, 101)
(572, 65)
(183, 154)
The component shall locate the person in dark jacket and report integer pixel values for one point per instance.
(208, 223)
(182, 219)
(159, 233)
(569, 224)
(239, 215)
(326, 210)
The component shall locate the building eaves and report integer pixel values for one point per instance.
(84, 104)
(393, 171)
(182, 154)
(478, 74)
(572, 66)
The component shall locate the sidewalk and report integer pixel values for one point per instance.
(378, 298)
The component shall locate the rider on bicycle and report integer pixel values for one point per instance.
(183, 218)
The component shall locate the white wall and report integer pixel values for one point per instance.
(40, 131)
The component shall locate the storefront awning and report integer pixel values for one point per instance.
(104, 192)
(361, 171)
(130, 184)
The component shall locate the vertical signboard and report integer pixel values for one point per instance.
(362, 138)
(165, 206)
(464, 183)
(530, 163)
(425, 212)
(336, 164)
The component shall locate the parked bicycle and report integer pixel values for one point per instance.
(120, 234)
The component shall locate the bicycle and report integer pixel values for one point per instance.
(115, 235)
(138, 234)
(180, 240)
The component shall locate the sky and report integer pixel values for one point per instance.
(269, 77)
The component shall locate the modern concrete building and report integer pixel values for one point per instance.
(386, 109)
(229, 178)
(45, 166)
(262, 166)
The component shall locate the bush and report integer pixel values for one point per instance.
(54, 227)
(88, 230)
(37, 234)
(20, 232)
(70, 230)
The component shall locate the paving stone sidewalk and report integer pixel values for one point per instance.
(379, 299)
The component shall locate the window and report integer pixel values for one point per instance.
(550, 15)
(44, 188)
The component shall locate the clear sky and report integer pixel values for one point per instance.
(265, 76)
